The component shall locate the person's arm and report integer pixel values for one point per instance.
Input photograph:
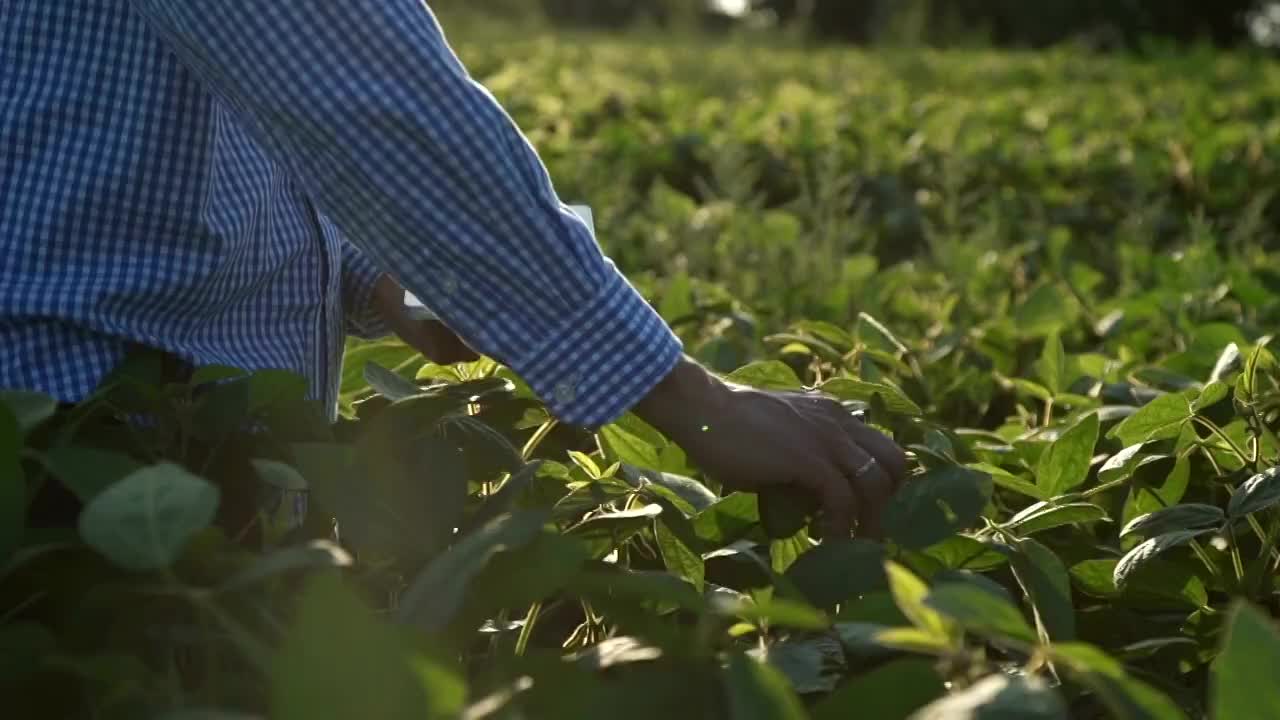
(363, 314)
(429, 177)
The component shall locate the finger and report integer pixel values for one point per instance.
(891, 458)
(873, 488)
(837, 498)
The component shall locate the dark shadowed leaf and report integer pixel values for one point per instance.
(998, 697)
(838, 570)
(1045, 582)
(1244, 675)
(603, 532)
(935, 505)
(812, 664)
(339, 661)
(313, 555)
(388, 384)
(279, 475)
(1155, 582)
(88, 471)
(1149, 549)
(1257, 493)
(894, 398)
(1124, 695)
(1189, 516)
(727, 519)
(1042, 516)
(28, 408)
(433, 597)
(890, 692)
(13, 485)
(677, 556)
(143, 521)
(755, 691)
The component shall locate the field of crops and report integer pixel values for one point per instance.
(1050, 276)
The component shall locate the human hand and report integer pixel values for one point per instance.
(749, 439)
(432, 338)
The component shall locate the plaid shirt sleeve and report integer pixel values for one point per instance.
(367, 105)
(359, 276)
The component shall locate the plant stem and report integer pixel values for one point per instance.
(530, 619)
(1204, 558)
(536, 439)
(1213, 428)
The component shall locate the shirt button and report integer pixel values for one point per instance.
(565, 392)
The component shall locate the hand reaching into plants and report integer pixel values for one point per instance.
(749, 439)
(432, 338)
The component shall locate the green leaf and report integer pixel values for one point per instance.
(1121, 465)
(1159, 419)
(692, 492)
(313, 555)
(434, 596)
(755, 691)
(1156, 582)
(1125, 696)
(1051, 368)
(981, 612)
(1243, 685)
(621, 445)
(998, 697)
(388, 384)
(1045, 310)
(961, 552)
(30, 409)
(775, 611)
(812, 664)
(1045, 582)
(1043, 516)
(603, 532)
(727, 520)
(1257, 493)
(338, 661)
(838, 570)
(909, 594)
(144, 521)
(677, 556)
(1190, 516)
(1064, 466)
(889, 692)
(13, 485)
(1149, 549)
(1145, 497)
(1009, 481)
(931, 507)
(1212, 394)
(783, 552)
(767, 375)
(88, 471)
(279, 475)
(894, 399)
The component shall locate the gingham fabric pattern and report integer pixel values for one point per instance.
(225, 179)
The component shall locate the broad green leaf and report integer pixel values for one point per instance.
(775, 611)
(783, 552)
(13, 485)
(961, 552)
(1212, 394)
(88, 471)
(1124, 695)
(434, 596)
(1045, 310)
(696, 495)
(1155, 582)
(1121, 464)
(144, 521)
(1045, 582)
(812, 664)
(339, 661)
(1051, 368)
(1064, 466)
(1159, 419)
(879, 329)
(998, 697)
(727, 520)
(755, 691)
(933, 506)
(889, 692)
(388, 384)
(279, 475)
(1190, 516)
(30, 409)
(313, 555)
(1039, 517)
(1145, 497)
(1149, 549)
(981, 612)
(1009, 481)
(1243, 685)
(895, 399)
(1034, 389)
(909, 593)
(677, 556)
(767, 375)
(646, 589)
(621, 445)
(1257, 493)
(838, 570)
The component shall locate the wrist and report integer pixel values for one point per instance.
(677, 404)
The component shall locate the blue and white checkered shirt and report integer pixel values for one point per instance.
(225, 179)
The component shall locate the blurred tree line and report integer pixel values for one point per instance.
(1007, 23)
